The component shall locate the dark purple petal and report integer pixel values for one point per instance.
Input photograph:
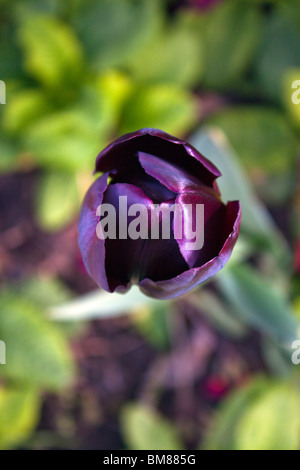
(174, 178)
(91, 247)
(121, 155)
(214, 218)
(128, 261)
(151, 186)
(123, 257)
(189, 279)
(163, 256)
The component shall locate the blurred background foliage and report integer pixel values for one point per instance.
(78, 74)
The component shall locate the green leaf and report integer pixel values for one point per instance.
(278, 53)
(221, 432)
(66, 141)
(272, 422)
(53, 54)
(232, 33)
(160, 106)
(235, 185)
(260, 136)
(217, 313)
(290, 76)
(36, 352)
(57, 200)
(19, 411)
(144, 429)
(258, 303)
(44, 291)
(111, 33)
(8, 152)
(153, 322)
(175, 55)
(22, 108)
(10, 60)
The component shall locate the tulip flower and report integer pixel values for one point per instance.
(150, 172)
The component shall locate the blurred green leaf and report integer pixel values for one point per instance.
(290, 76)
(277, 358)
(160, 106)
(10, 57)
(53, 54)
(232, 34)
(279, 52)
(8, 152)
(272, 422)
(19, 411)
(221, 432)
(36, 351)
(22, 108)
(265, 415)
(217, 313)
(44, 6)
(153, 322)
(44, 291)
(57, 200)
(175, 55)
(113, 31)
(260, 136)
(144, 429)
(66, 141)
(258, 303)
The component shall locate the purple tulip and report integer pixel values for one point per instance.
(151, 167)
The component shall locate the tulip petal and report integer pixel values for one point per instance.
(174, 178)
(121, 155)
(151, 186)
(189, 279)
(128, 261)
(206, 226)
(91, 247)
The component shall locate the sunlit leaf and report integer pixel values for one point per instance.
(144, 429)
(66, 141)
(19, 411)
(57, 200)
(35, 348)
(272, 422)
(220, 435)
(153, 322)
(291, 94)
(175, 55)
(161, 106)
(53, 54)
(22, 108)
